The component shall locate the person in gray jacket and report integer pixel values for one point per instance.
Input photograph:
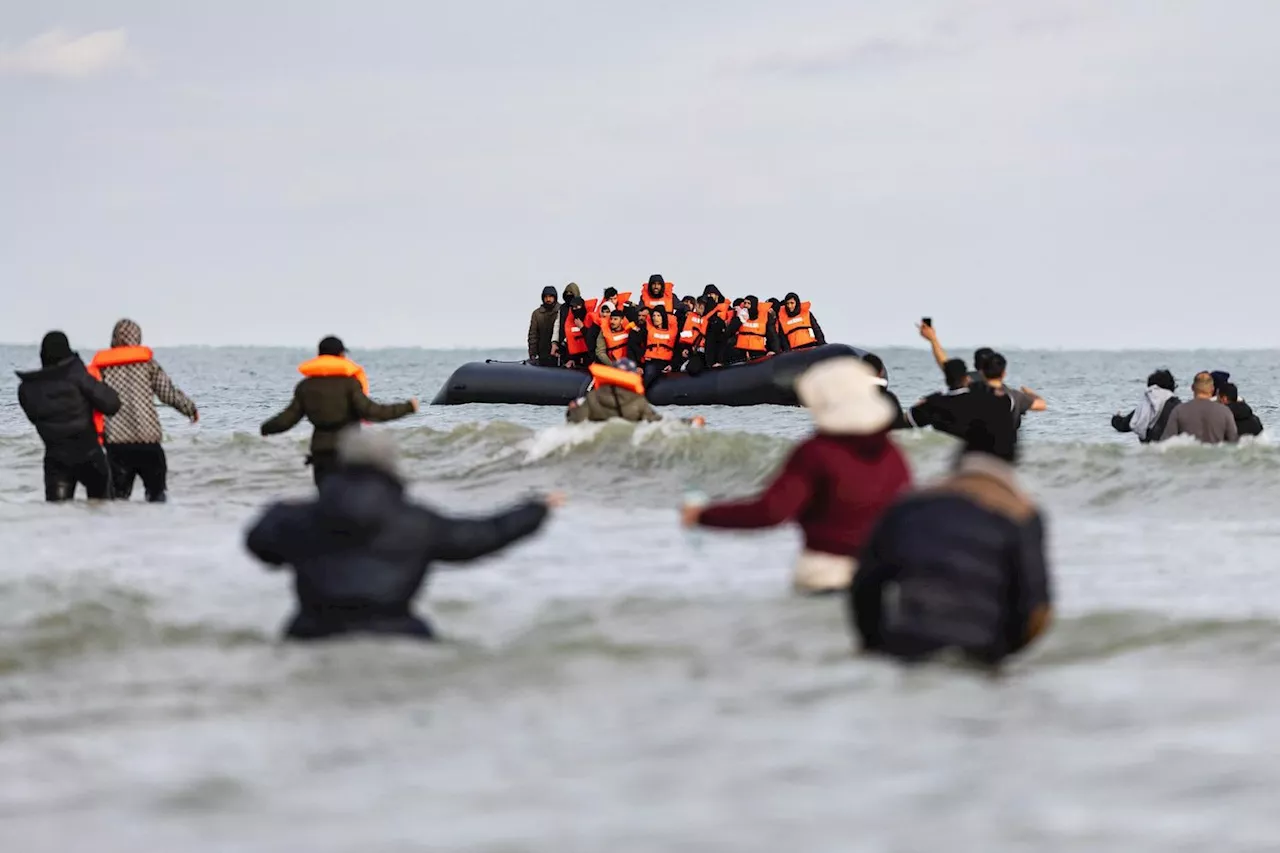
(1203, 417)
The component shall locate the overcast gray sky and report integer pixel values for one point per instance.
(1062, 174)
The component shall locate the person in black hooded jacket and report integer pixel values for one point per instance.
(1247, 423)
(731, 352)
(361, 552)
(798, 329)
(60, 399)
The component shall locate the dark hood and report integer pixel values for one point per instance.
(712, 290)
(753, 307)
(55, 348)
(52, 371)
(658, 312)
(572, 292)
(786, 299)
(126, 334)
(550, 291)
(359, 501)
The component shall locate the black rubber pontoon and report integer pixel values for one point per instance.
(770, 381)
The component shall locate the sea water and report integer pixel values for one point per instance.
(606, 686)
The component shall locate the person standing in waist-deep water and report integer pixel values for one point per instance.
(1020, 400)
(334, 395)
(959, 566)
(835, 485)
(1247, 423)
(1203, 417)
(799, 327)
(1149, 418)
(361, 551)
(66, 405)
(133, 434)
(544, 330)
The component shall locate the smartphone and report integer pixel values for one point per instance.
(928, 321)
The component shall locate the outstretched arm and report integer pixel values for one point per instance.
(463, 539)
(784, 500)
(373, 412)
(286, 420)
(169, 394)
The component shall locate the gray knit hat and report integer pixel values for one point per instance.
(370, 448)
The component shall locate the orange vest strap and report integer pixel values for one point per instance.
(118, 356)
(334, 365)
(620, 378)
(99, 419)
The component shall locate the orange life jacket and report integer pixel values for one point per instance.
(114, 357)
(751, 337)
(798, 329)
(659, 345)
(615, 343)
(604, 375)
(334, 365)
(591, 311)
(725, 311)
(667, 300)
(694, 332)
(575, 338)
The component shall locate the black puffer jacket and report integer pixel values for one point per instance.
(967, 563)
(1247, 423)
(60, 400)
(361, 551)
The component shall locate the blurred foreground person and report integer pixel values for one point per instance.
(334, 395)
(362, 550)
(836, 484)
(66, 405)
(960, 566)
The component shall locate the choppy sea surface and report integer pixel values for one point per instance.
(617, 684)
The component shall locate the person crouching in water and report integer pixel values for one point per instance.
(66, 404)
(133, 434)
(1149, 418)
(960, 566)
(361, 551)
(334, 395)
(617, 392)
(836, 484)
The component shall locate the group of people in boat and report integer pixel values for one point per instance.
(664, 333)
(1215, 414)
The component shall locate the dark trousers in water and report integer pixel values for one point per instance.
(322, 465)
(61, 478)
(652, 370)
(132, 461)
(313, 626)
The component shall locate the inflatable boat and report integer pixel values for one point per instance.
(768, 381)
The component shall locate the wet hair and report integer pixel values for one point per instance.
(1230, 391)
(995, 366)
(980, 357)
(875, 363)
(1162, 378)
(331, 345)
(956, 372)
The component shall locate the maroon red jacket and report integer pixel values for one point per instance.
(835, 486)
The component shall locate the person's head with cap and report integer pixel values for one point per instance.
(1220, 378)
(843, 398)
(332, 345)
(627, 365)
(956, 373)
(54, 349)
(549, 296)
(369, 448)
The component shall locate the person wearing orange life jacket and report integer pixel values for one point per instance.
(615, 340)
(800, 329)
(334, 395)
(659, 344)
(617, 391)
(659, 291)
(750, 336)
(132, 436)
(580, 336)
(691, 337)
